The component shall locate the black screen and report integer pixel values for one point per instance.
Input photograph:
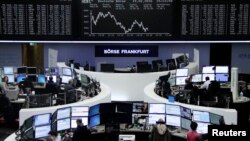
(22, 70)
(130, 20)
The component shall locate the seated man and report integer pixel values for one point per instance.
(206, 84)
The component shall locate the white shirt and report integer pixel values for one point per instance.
(205, 85)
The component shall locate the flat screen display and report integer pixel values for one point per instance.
(196, 78)
(185, 123)
(140, 107)
(42, 131)
(63, 124)
(208, 69)
(173, 120)
(65, 79)
(67, 71)
(21, 70)
(79, 111)
(211, 77)
(182, 72)
(73, 121)
(54, 71)
(222, 77)
(94, 121)
(42, 119)
(153, 118)
(201, 116)
(215, 119)
(222, 69)
(93, 110)
(8, 70)
(32, 78)
(173, 109)
(41, 79)
(20, 78)
(180, 81)
(53, 78)
(186, 113)
(11, 78)
(202, 128)
(31, 70)
(63, 113)
(157, 108)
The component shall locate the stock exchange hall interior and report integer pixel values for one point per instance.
(136, 70)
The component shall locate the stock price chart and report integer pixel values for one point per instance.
(127, 19)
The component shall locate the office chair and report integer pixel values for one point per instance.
(210, 97)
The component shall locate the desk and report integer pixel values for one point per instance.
(230, 115)
(103, 97)
(129, 86)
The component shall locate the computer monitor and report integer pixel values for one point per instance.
(173, 120)
(47, 71)
(180, 81)
(80, 111)
(222, 69)
(8, 70)
(41, 79)
(67, 71)
(208, 69)
(73, 121)
(20, 78)
(202, 127)
(201, 116)
(63, 113)
(93, 110)
(211, 77)
(85, 79)
(63, 124)
(222, 77)
(153, 118)
(53, 76)
(42, 131)
(54, 71)
(171, 65)
(157, 108)
(215, 119)
(186, 113)
(173, 109)
(32, 78)
(22, 70)
(139, 119)
(185, 123)
(65, 79)
(140, 107)
(181, 72)
(32, 70)
(11, 78)
(94, 121)
(42, 119)
(196, 78)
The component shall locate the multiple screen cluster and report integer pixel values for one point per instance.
(178, 116)
(181, 75)
(218, 73)
(62, 119)
(32, 74)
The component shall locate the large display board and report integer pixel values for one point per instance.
(125, 20)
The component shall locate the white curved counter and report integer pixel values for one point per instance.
(128, 86)
(230, 115)
(103, 97)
